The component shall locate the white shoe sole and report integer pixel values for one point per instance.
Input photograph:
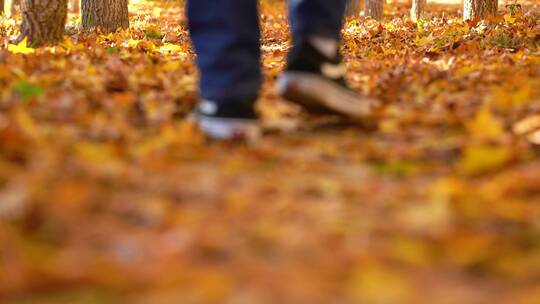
(229, 128)
(311, 89)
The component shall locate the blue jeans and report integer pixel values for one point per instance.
(226, 37)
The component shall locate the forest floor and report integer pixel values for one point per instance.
(108, 194)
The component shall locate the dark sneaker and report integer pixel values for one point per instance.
(231, 122)
(317, 83)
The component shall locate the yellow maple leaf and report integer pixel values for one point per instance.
(509, 19)
(485, 126)
(171, 66)
(478, 159)
(21, 47)
(70, 46)
(169, 47)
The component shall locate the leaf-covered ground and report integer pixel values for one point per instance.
(108, 194)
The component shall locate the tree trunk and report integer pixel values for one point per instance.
(14, 7)
(418, 8)
(43, 21)
(479, 8)
(353, 8)
(1, 7)
(75, 7)
(107, 15)
(374, 9)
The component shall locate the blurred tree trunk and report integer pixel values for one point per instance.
(418, 8)
(43, 21)
(353, 8)
(479, 8)
(75, 6)
(14, 7)
(374, 9)
(107, 15)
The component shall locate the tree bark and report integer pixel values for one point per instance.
(418, 9)
(43, 21)
(1, 7)
(75, 6)
(14, 7)
(374, 9)
(479, 8)
(353, 8)
(107, 15)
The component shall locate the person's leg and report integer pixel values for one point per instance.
(226, 37)
(317, 18)
(315, 75)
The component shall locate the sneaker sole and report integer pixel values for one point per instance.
(229, 128)
(320, 95)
